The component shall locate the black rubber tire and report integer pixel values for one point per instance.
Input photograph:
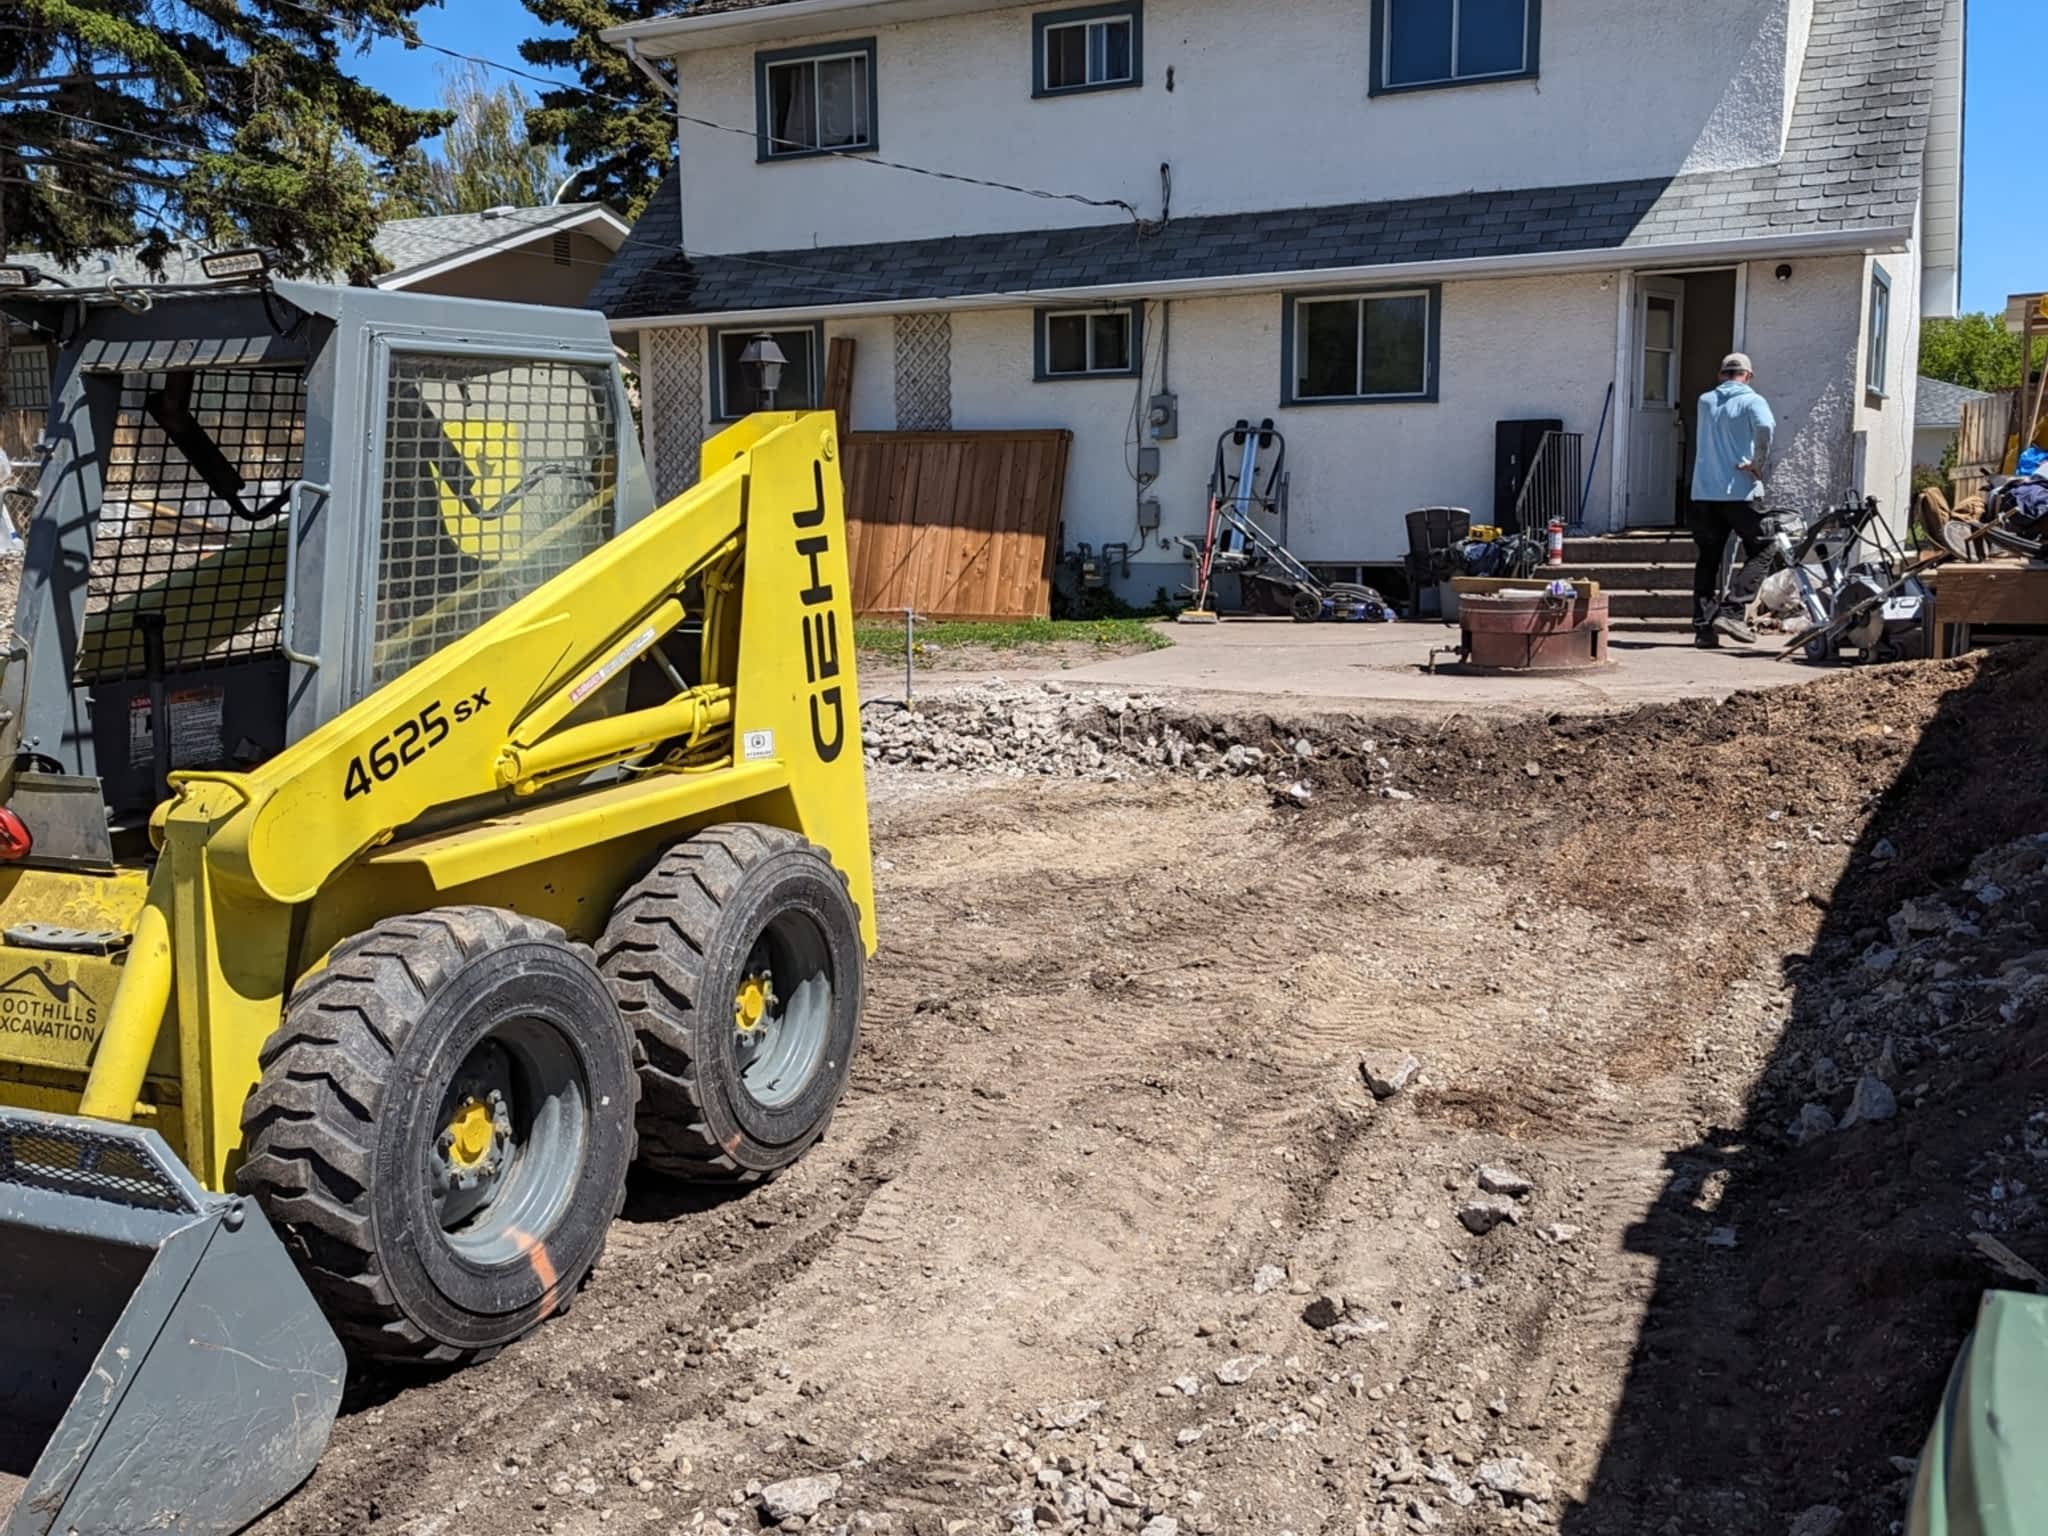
(353, 1082)
(1307, 606)
(682, 936)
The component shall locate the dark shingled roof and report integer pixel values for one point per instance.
(1939, 403)
(1852, 159)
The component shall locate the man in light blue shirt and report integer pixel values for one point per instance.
(1731, 456)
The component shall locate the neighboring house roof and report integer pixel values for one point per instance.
(420, 248)
(1939, 403)
(1850, 174)
(414, 248)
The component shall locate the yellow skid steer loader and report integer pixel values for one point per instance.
(404, 824)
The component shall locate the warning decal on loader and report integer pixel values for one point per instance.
(195, 727)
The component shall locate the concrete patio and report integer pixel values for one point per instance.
(1349, 665)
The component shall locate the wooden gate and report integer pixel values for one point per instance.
(956, 525)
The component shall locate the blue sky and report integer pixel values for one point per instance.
(2005, 205)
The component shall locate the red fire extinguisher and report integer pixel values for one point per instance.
(1556, 542)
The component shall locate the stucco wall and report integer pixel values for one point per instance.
(1805, 337)
(530, 275)
(1530, 347)
(1269, 107)
(1511, 348)
(1886, 421)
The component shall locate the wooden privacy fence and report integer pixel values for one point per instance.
(956, 525)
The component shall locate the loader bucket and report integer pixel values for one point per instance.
(162, 1366)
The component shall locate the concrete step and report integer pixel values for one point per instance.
(1661, 577)
(1675, 606)
(1629, 548)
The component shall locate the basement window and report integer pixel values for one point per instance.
(815, 101)
(737, 385)
(1095, 48)
(1425, 44)
(1088, 343)
(1362, 347)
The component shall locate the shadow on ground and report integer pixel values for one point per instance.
(1789, 1370)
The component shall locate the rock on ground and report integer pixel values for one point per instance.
(1502, 1181)
(1819, 1520)
(1482, 1216)
(1238, 1370)
(1388, 1075)
(799, 1497)
(1516, 1478)
(1873, 1101)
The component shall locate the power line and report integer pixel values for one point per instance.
(859, 156)
(830, 288)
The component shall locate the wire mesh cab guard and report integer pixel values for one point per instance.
(263, 502)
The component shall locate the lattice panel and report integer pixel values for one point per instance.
(672, 372)
(924, 373)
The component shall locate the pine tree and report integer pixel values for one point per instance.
(139, 122)
(613, 123)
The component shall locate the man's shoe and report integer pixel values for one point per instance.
(1728, 625)
(1706, 640)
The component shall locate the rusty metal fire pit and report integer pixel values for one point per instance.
(1521, 630)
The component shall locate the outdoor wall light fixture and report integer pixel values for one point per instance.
(763, 355)
(1784, 271)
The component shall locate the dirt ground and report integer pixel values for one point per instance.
(1112, 1233)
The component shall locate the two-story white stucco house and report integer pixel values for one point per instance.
(1389, 225)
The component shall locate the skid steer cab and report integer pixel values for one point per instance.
(405, 825)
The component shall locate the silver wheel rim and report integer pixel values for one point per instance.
(783, 1011)
(497, 1193)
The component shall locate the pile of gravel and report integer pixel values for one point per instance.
(1944, 980)
(1048, 730)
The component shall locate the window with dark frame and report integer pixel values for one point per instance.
(739, 384)
(1087, 343)
(1362, 347)
(1880, 329)
(1422, 43)
(816, 101)
(1093, 49)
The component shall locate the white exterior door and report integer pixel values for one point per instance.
(1655, 411)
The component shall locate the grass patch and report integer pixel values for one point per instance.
(884, 637)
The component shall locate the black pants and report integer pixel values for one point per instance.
(1711, 523)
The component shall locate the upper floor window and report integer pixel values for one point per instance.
(1422, 43)
(1096, 48)
(815, 101)
(1880, 329)
(1088, 343)
(1361, 346)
